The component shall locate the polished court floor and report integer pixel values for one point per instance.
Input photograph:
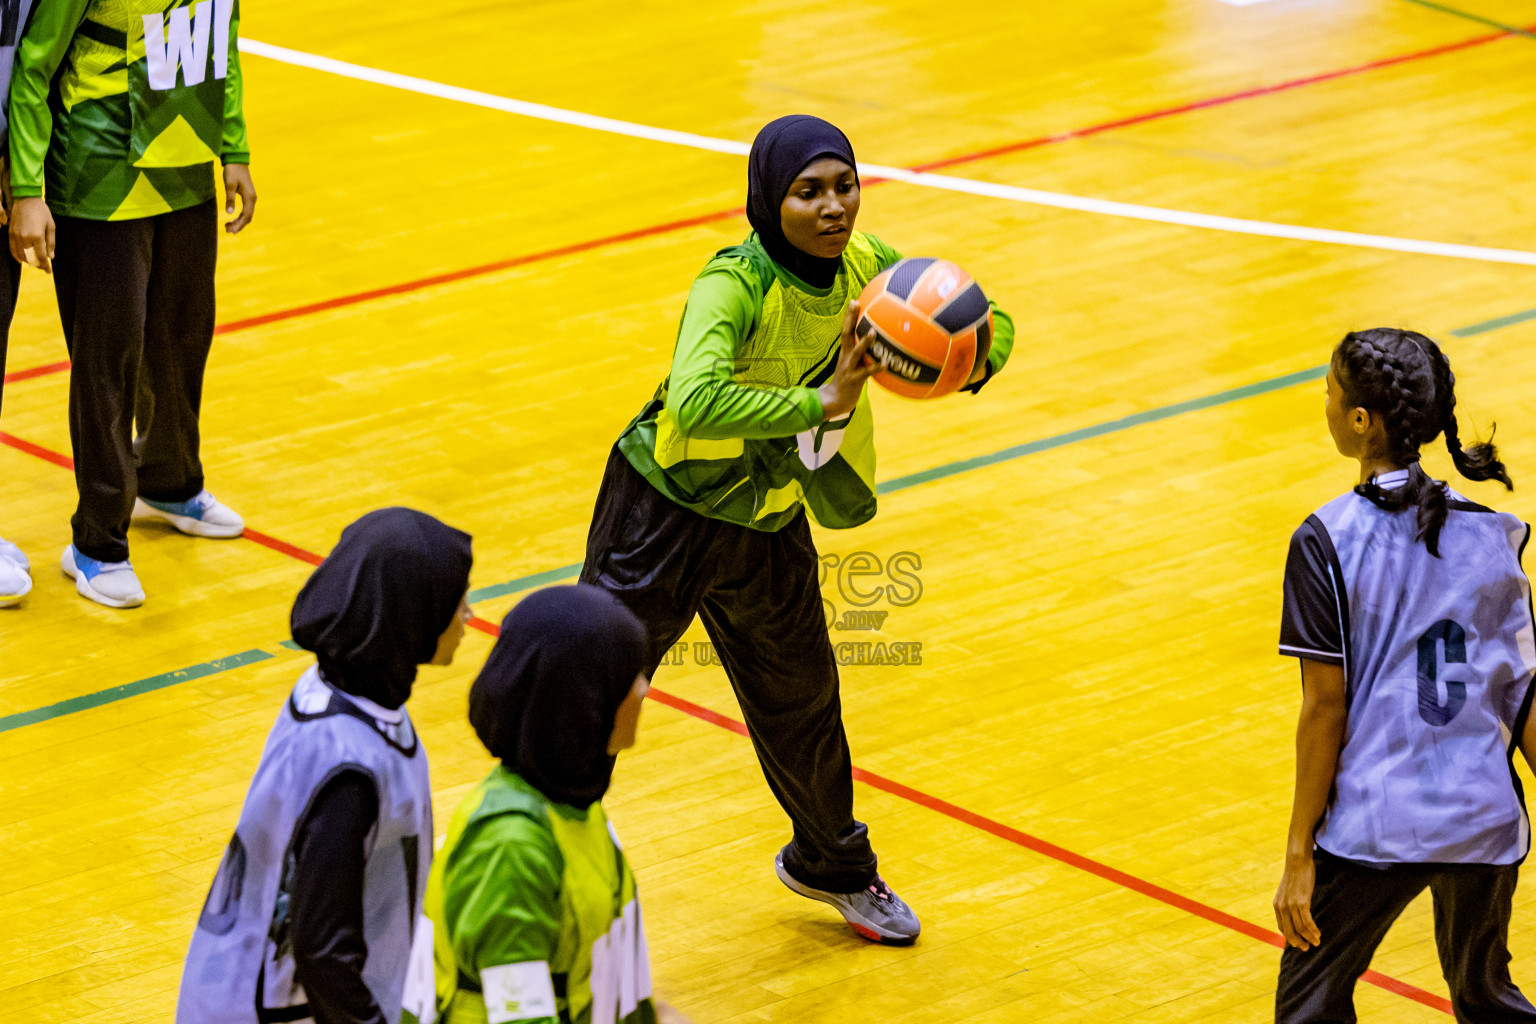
(455, 303)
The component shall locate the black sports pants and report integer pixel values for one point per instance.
(10, 287)
(136, 301)
(1355, 905)
(760, 599)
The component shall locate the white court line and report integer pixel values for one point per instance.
(970, 186)
(484, 99)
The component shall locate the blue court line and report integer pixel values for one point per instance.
(116, 693)
(1495, 324)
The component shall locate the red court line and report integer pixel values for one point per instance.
(1062, 855)
(37, 371)
(483, 269)
(916, 796)
(477, 271)
(255, 536)
(1218, 101)
(46, 454)
(1121, 878)
(282, 547)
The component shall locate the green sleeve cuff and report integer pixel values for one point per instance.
(27, 191)
(808, 402)
(1002, 348)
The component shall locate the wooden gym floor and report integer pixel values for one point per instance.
(446, 303)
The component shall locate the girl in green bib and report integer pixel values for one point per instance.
(533, 910)
(763, 419)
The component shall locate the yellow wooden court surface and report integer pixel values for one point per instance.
(1083, 788)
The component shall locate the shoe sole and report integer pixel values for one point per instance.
(861, 929)
(83, 586)
(186, 524)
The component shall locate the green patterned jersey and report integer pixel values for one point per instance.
(534, 914)
(735, 432)
(123, 106)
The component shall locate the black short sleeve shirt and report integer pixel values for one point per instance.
(1311, 621)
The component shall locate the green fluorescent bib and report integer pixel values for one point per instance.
(599, 968)
(791, 345)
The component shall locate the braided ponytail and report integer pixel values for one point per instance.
(1403, 377)
(1479, 462)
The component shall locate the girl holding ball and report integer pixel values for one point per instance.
(762, 422)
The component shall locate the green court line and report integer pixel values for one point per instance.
(1495, 324)
(116, 693)
(537, 579)
(1469, 16)
(1100, 429)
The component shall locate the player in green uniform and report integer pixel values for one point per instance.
(532, 904)
(122, 108)
(15, 569)
(702, 506)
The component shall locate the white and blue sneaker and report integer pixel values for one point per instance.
(203, 516)
(15, 574)
(113, 584)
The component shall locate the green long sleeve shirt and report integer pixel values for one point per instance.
(735, 432)
(122, 107)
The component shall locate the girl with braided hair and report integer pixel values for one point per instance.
(1411, 615)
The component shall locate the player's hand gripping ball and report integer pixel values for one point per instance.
(932, 327)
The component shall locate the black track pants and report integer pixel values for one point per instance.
(759, 596)
(10, 287)
(1354, 906)
(136, 301)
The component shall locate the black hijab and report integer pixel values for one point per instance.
(782, 150)
(546, 701)
(375, 608)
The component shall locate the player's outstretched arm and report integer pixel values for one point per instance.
(1319, 737)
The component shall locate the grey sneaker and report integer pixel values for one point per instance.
(202, 516)
(113, 584)
(875, 913)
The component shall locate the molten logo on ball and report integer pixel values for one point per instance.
(932, 325)
(890, 357)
